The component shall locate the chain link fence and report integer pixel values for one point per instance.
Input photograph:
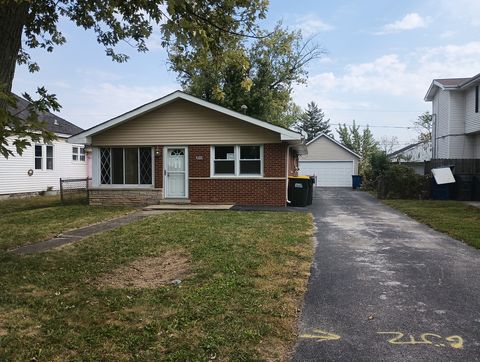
(74, 190)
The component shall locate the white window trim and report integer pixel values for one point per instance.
(41, 157)
(78, 154)
(237, 174)
(98, 176)
(53, 158)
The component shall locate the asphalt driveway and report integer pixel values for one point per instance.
(386, 288)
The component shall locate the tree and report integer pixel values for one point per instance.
(388, 144)
(258, 74)
(423, 124)
(362, 143)
(313, 122)
(204, 23)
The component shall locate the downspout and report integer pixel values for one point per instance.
(287, 174)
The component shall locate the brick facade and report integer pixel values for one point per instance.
(269, 190)
(203, 189)
(159, 167)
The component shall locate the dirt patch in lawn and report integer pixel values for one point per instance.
(149, 272)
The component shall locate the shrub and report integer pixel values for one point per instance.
(374, 167)
(401, 182)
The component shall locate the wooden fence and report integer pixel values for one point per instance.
(460, 166)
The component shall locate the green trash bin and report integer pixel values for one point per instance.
(298, 187)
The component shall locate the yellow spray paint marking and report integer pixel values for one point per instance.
(425, 338)
(320, 335)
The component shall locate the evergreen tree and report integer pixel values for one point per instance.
(313, 122)
(362, 143)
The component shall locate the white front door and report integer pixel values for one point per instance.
(175, 172)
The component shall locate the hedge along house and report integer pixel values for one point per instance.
(180, 147)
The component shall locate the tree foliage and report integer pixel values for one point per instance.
(362, 143)
(183, 24)
(312, 122)
(258, 74)
(423, 124)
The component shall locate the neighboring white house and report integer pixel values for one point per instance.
(413, 156)
(456, 117)
(332, 163)
(42, 165)
(416, 152)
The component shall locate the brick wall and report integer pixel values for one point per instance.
(238, 191)
(125, 197)
(242, 191)
(159, 167)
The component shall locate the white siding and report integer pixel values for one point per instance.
(13, 171)
(472, 119)
(460, 146)
(456, 124)
(441, 110)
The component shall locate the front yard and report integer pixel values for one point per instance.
(243, 276)
(454, 218)
(26, 220)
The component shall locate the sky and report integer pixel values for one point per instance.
(380, 58)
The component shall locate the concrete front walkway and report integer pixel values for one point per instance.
(387, 288)
(77, 234)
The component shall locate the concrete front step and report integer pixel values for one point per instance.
(175, 201)
(186, 207)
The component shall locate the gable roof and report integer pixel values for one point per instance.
(450, 84)
(84, 137)
(334, 141)
(53, 123)
(406, 148)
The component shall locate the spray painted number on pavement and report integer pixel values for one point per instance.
(426, 338)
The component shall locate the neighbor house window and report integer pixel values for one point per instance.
(126, 166)
(78, 154)
(237, 160)
(476, 99)
(38, 157)
(49, 157)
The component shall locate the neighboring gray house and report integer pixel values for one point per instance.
(456, 117)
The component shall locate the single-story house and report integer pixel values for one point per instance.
(330, 162)
(413, 156)
(42, 165)
(182, 148)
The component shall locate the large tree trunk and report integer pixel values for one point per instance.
(13, 16)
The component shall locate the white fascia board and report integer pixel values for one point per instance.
(285, 134)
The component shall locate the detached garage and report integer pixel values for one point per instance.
(332, 163)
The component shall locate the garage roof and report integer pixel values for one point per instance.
(334, 141)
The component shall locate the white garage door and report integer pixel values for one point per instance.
(329, 173)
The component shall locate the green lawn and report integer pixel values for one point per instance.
(26, 220)
(248, 273)
(454, 218)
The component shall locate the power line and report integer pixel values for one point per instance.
(372, 126)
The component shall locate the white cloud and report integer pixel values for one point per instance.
(408, 22)
(311, 25)
(100, 102)
(466, 10)
(407, 74)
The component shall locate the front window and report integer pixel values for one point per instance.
(126, 166)
(244, 160)
(78, 154)
(49, 157)
(38, 157)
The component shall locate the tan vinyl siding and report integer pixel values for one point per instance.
(324, 149)
(184, 123)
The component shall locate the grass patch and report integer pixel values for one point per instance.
(454, 218)
(26, 220)
(247, 276)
